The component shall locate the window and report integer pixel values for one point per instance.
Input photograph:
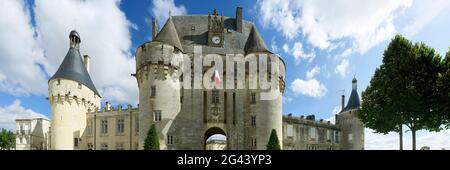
(120, 126)
(253, 121)
(312, 132)
(58, 82)
(253, 98)
(89, 128)
(290, 130)
(119, 146)
(104, 146)
(136, 123)
(104, 126)
(215, 96)
(76, 142)
(153, 91)
(90, 146)
(79, 86)
(350, 137)
(169, 140)
(329, 135)
(254, 142)
(336, 136)
(20, 140)
(157, 115)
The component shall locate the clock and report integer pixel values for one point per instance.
(216, 39)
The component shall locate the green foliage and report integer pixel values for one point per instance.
(443, 90)
(403, 90)
(273, 143)
(152, 140)
(7, 140)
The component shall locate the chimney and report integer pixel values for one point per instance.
(342, 102)
(239, 19)
(154, 28)
(87, 62)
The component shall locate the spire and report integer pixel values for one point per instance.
(353, 101)
(73, 67)
(255, 43)
(169, 35)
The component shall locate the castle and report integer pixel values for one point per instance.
(186, 116)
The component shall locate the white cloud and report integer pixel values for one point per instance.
(297, 52)
(160, 10)
(422, 13)
(312, 88)
(313, 72)
(274, 46)
(20, 73)
(435, 140)
(366, 23)
(31, 53)
(9, 114)
(105, 37)
(342, 68)
(335, 111)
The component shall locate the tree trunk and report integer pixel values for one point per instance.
(401, 137)
(413, 130)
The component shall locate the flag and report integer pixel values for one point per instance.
(217, 78)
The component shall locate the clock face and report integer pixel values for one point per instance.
(216, 39)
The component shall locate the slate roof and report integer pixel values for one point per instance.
(192, 30)
(72, 68)
(255, 43)
(353, 102)
(169, 35)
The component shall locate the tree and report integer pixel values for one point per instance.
(402, 90)
(273, 143)
(7, 139)
(443, 90)
(152, 140)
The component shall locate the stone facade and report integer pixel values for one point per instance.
(32, 134)
(300, 133)
(185, 116)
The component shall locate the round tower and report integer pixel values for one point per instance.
(71, 94)
(159, 89)
(267, 109)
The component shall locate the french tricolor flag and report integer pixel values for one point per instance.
(217, 78)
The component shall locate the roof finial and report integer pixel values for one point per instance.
(170, 12)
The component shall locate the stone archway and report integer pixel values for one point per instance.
(212, 132)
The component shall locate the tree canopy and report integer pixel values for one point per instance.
(152, 139)
(403, 90)
(274, 143)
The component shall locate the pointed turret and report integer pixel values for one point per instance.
(169, 35)
(353, 101)
(255, 43)
(73, 67)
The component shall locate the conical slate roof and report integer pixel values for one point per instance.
(169, 35)
(73, 68)
(255, 43)
(353, 102)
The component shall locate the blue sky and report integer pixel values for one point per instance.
(324, 44)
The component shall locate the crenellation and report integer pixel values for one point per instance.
(186, 118)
